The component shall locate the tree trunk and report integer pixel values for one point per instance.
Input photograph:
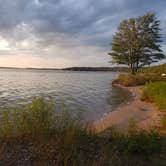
(132, 69)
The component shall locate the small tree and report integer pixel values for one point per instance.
(136, 43)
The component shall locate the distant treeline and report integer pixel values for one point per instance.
(154, 69)
(114, 69)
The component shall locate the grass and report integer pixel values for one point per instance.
(155, 92)
(138, 79)
(34, 134)
(155, 69)
(144, 75)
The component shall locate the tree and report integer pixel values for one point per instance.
(136, 43)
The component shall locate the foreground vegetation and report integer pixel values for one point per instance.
(34, 134)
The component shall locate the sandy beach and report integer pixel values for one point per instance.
(144, 114)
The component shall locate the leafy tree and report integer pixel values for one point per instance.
(136, 43)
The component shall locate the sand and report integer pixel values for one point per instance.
(144, 114)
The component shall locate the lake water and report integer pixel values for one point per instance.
(91, 92)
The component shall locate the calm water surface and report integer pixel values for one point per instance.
(91, 92)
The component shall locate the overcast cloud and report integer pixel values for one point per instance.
(61, 33)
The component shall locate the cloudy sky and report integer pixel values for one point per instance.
(61, 33)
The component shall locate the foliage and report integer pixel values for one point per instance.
(136, 43)
(155, 92)
(158, 70)
(35, 134)
(27, 119)
(140, 141)
(138, 79)
(163, 121)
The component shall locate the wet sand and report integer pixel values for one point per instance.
(144, 114)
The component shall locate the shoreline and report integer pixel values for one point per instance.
(144, 114)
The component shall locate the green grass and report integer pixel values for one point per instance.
(144, 75)
(34, 134)
(155, 92)
(138, 79)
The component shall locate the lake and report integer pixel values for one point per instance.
(90, 92)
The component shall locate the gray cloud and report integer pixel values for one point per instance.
(70, 24)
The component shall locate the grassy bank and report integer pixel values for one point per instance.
(34, 134)
(154, 86)
(138, 79)
(145, 75)
(154, 69)
(156, 93)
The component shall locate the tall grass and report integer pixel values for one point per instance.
(34, 134)
(155, 92)
(27, 120)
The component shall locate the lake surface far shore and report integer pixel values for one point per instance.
(144, 114)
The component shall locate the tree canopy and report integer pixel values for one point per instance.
(137, 42)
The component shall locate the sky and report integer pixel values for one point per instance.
(65, 33)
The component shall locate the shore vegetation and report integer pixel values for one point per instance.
(34, 134)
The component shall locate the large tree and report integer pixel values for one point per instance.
(137, 42)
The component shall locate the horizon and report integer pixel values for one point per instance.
(68, 67)
(68, 33)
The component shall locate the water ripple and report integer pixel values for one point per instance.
(91, 91)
